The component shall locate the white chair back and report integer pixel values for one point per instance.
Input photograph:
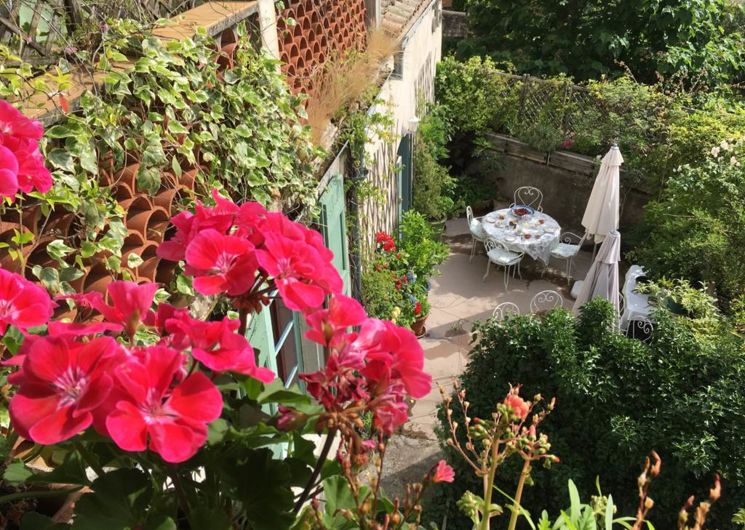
(529, 196)
(546, 301)
(491, 244)
(504, 309)
(469, 215)
(640, 328)
(570, 238)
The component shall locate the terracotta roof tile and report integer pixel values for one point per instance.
(398, 15)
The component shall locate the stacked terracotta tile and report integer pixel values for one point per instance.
(322, 29)
(147, 217)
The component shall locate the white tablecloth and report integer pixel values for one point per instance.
(536, 235)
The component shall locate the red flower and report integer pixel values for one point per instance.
(60, 385)
(398, 350)
(8, 173)
(519, 406)
(130, 303)
(32, 173)
(218, 346)
(327, 324)
(19, 140)
(302, 276)
(189, 225)
(385, 241)
(22, 304)
(418, 308)
(221, 264)
(160, 411)
(15, 124)
(442, 473)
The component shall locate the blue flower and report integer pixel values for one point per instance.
(411, 276)
(412, 298)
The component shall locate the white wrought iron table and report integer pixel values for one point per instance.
(534, 234)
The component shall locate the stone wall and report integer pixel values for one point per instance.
(455, 24)
(566, 180)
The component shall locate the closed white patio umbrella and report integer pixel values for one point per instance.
(602, 278)
(602, 211)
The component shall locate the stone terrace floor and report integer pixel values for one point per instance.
(459, 298)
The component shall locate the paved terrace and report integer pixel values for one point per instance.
(459, 298)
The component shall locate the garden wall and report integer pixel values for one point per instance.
(566, 180)
(398, 97)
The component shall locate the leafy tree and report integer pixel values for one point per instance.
(586, 38)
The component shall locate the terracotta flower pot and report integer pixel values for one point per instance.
(148, 269)
(165, 272)
(127, 176)
(418, 326)
(229, 36)
(97, 279)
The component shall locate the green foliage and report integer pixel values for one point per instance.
(685, 41)
(696, 229)
(396, 282)
(657, 131)
(739, 518)
(420, 245)
(433, 186)
(168, 107)
(617, 399)
(598, 514)
(476, 95)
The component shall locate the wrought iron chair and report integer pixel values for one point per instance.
(504, 309)
(569, 246)
(529, 196)
(477, 230)
(498, 254)
(640, 328)
(546, 301)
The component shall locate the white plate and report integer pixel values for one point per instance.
(491, 217)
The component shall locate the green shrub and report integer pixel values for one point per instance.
(657, 131)
(617, 399)
(434, 188)
(697, 228)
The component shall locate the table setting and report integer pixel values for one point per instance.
(522, 229)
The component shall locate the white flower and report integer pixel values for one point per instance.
(734, 162)
(715, 152)
(724, 145)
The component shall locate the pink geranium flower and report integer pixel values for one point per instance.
(130, 303)
(303, 279)
(518, 405)
(221, 264)
(61, 383)
(22, 304)
(442, 473)
(394, 353)
(32, 173)
(14, 124)
(218, 346)
(342, 313)
(8, 173)
(160, 411)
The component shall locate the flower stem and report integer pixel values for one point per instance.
(316, 470)
(489, 488)
(243, 317)
(518, 495)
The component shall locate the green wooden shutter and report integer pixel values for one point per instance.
(334, 226)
